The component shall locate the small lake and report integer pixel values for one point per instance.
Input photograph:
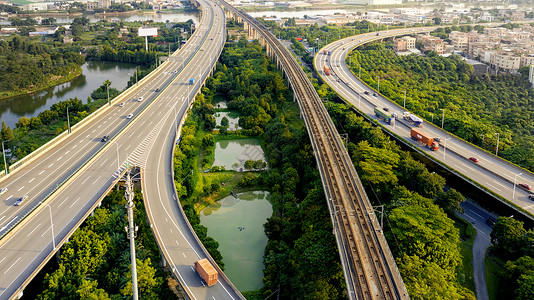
(233, 119)
(237, 151)
(237, 224)
(94, 73)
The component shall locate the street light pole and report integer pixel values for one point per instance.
(4, 152)
(497, 149)
(136, 82)
(442, 118)
(404, 105)
(107, 89)
(118, 164)
(68, 120)
(51, 224)
(378, 83)
(515, 180)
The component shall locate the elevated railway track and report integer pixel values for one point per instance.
(369, 268)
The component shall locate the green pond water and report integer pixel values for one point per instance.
(237, 151)
(237, 224)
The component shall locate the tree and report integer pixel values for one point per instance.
(225, 122)
(146, 280)
(7, 133)
(249, 164)
(450, 201)
(506, 235)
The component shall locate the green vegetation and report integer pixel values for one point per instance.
(28, 66)
(512, 243)
(95, 263)
(467, 235)
(493, 269)
(301, 255)
(476, 108)
(421, 236)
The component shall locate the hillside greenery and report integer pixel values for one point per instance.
(476, 107)
(95, 263)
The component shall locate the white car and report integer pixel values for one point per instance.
(20, 200)
(122, 104)
(129, 116)
(139, 99)
(3, 190)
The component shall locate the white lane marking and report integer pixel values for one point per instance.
(12, 265)
(468, 167)
(97, 179)
(171, 230)
(496, 182)
(50, 165)
(80, 142)
(74, 146)
(183, 254)
(177, 243)
(67, 152)
(492, 186)
(74, 202)
(31, 180)
(59, 158)
(166, 220)
(45, 232)
(87, 136)
(213, 298)
(20, 189)
(103, 162)
(41, 172)
(93, 130)
(99, 126)
(2, 218)
(85, 180)
(34, 229)
(62, 202)
(460, 168)
(6, 256)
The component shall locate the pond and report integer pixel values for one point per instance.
(233, 119)
(237, 224)
(94, 73)
(229, 152)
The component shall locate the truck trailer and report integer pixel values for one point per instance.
(206, 271)
(415, 120)
(326, 70)
(384, 115)
(418, 135)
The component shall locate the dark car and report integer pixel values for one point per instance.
(104, 138)
(386, 108)
(474, 159)
(525, 186)
(491, 221)
(157, 90)
(437, 139)
(366, 92)
(375, 94)
(531, 197)
(20, 200)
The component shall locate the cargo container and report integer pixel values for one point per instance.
(381, 114)
(418, 135)
(415, 120)
(192, 81)
(326, 70)
(206, 271)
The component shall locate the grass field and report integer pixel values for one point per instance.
(467, 234)
(492, 280)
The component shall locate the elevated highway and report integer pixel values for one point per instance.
(67, 180)
(491, 173)
(369, 268)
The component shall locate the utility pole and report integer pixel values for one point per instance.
(107, 89)
(131, 231)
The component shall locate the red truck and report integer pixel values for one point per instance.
(418, 135)
(206, 271)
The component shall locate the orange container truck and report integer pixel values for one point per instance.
(206, 271)
(326, 70)
(418, 135)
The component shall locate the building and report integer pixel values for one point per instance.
(404, 43)
(372, 2)
(505, 61)
(459, 40)
(431, 43)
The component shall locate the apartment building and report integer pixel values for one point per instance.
(431, 43)
(459, 40)
(505, 61)
(404, 43)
